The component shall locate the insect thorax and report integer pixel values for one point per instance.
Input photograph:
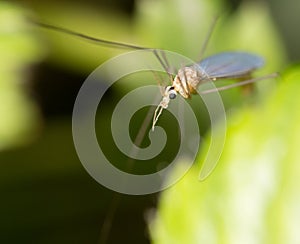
(187, 80)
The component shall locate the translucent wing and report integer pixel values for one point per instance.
(231, 64)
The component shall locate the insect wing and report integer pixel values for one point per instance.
(231, 64)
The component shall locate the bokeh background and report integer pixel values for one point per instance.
(48, 197)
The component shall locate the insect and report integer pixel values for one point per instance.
(235, 65)
(220, 66)
(238, 65)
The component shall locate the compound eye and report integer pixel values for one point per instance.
(172, 94)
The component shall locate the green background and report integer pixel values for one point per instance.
(48, 197)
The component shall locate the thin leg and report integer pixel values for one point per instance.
(242, 83)
(164, 65)
(208, 36)
(159, 80)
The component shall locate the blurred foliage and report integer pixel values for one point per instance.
(19, 49)
(249, 29)
(253, 195)
(47, 195)
(285, 16)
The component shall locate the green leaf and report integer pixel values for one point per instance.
(253, 195)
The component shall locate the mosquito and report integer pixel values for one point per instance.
(225, 65)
